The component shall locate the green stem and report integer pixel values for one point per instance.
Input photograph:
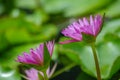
(45, 75)
(96, 62)
(64, 69)
(23, 76)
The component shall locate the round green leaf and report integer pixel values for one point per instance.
(108, 53)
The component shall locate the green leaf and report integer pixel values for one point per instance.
(108, 53)
(38, 17)
(54, 6)
(3, 41)
(112, 11)
(71, 54)
(47, 58)
(30, 4)
(18, 31)
(79, 7)
(15, 36)
(82, 7)
(10, 56)
(111, 27)
(84, 76)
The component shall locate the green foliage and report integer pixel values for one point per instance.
(111, 27)
(109, 57)
(108, 48)
(10, 56)
(30, 4)
(7, 73)
(26, 23)
(79, 7)
(113, 10)
(84, 76)
(88, 38)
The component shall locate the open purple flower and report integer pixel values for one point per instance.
(32, 74)
(90, 27)
(36, 57)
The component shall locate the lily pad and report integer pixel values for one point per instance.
(111, 27)
(70, 8)
(108, 53)
(10, 56)
(30, 4)
(112, 11)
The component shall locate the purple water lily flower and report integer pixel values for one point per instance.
(36, 57)
(32, 74)
(75, 30)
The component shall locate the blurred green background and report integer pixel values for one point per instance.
(24, 24)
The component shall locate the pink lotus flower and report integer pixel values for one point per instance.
(75, 30)
(32, 74)
(36, 57)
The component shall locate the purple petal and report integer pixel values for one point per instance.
(92, 24)
(77, 27)
(50, 46)
(36, 57)
(85, 22)
(32, 74)
(29, 59)
(72, 33)
(40, 50)
(98, 23)
(81, 22)
(21, 59)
